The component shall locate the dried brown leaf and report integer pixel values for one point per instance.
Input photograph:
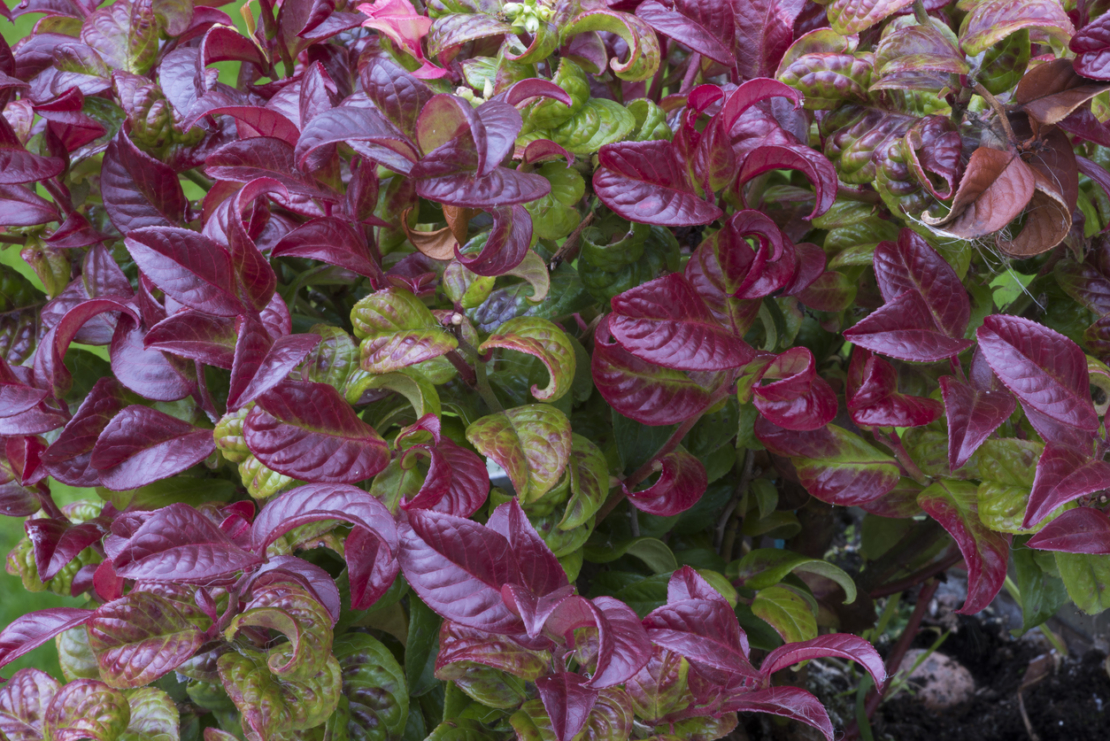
(438, 245)
(1050, 92)
(995, 188)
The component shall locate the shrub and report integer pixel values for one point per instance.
(499, 370)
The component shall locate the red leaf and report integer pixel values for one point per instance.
(187, 266)
(540, 571)
(139, 191)
(665, 322)
(1063, 475)
(795, 397)
(1080, 530)
(912, 265)
(904, 329)
(789, 702)
(680, 485)
(253, 373)
(644, 182)
(764, 30)
(67, 458)
(841, 645)
(814, 165)
(57, 542)
(145, 371)
(506, 245)
(972, 416)
(1043, 368)
(141, 445)
(371, 567)
(705, 631)
(30, 631)
(331, 240)
(316, 502)
(568, 702)
(308, 431)
(195, 335)
(684, 25)
(873, 400)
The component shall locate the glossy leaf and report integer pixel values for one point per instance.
(141, 445)
(397, 331)
(30, 631)
(973, 415)
(682, 481)
(543, 340)
(644, 182)
(1080, 530)
(1063, 475)
(531, 443)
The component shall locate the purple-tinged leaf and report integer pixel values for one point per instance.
(397, 330)
(457, 482)
(141, 445)
(20, 207)
(502, 187)
(643, 391)
(308, 431)
(1064, 474)
(139, 191)
(568, 702)
(789, 702)
(532, 443)
(540, 571)
(1043, 368)
(645, 183)
(1079, 530)
(258, 122)
(15, 395)
(187, 266)
(23, 702)
(832, 464)
(955, 505)
(257, 375)
(49, 369)
(681, 483)
(459, 643)
(17, 165)
(666, 323)
(313, 578)
(873, 399)
(688, 31)
(973, 415)
(195, 335)
(331, 240)
(705, 631)
(263, 157)
(686, 583)
(395, 92)
(67, 458)
(30, 631)
(458, 568)
(764, 31)
(811, 163)
(365, 130)
(147, 372)
(372, 567)
(256, 281)
(790, 394)
(840, 645)
(317, 502)
(543, 340)
(86, 708)
(904, 329)
(621, 645)
(225, 44)
(56, 543)
(912, 265)
(141, 637)
(505, 246)
(533, 87)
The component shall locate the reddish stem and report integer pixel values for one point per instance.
(934, 569)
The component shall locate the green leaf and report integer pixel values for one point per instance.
(334, 361)
(765, 567)
(272, 705)
(421, 648)
(651, 121)
(550, 114)
(643, 45)
(1005, 63)
(397, 331)
(86, 709)
(76, 656)
(289, 609)
(154, 717)
(653, 552)
(185, 489)
(261, 481)
(544, 340)
(787, 612)
(1042, 591)
(1087, 579)
(395, 483)
(598, 123)
(645, 595)
(140, 637)
(532, 443)
(589, 482)
(554, 216)
(414, 386)
(374, 685)
(491, 687)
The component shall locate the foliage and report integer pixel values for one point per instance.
(459, 372)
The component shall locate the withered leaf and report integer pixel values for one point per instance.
(995, 188)
(1050, 92)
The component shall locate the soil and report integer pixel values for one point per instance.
(1070, 703)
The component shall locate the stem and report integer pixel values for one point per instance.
(693, 66)
(920, 13)
(933, 569)
(8, 239)
(898, 653)
(204, 396)
(199, 179)
(468, 375)
(895, 444)
(998, 109)
(569, 250)
(484, 389)
(725, 541)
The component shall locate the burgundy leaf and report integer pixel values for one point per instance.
(310, 576)
(973, 415)
(665, 322)
(506, 245)
(317, 502)
(308, 431)
(458, 568)
(195, 335)
(56, 543)
(364, 129)
(372, 567)
(67, 458)
(789, 702)
(705, 631)
(622, 646)
(540, 571)
(15, 395)
(502, 187)
(49, 369)
(954, 504)
(647, 393)
(644, 182)
(912, 265)
(20, 207)
(141, 445)
(333, 241)
(256, 279)
(764, 31)
(1063, 475)
(678, 25)
(841, 645)
(568, 702)
(457, 482)
(681, 483)
(395, 92)
(30, 631)
(873, 400)
(139, 191)
(254, 373)
(249, 159)
(1043, 368)
(686, 583)
(1080, 530)
(904, 329)
(790, 394)
(814, 165)
(187, 266)
(177, 544)
(145, 371)
(17, 165)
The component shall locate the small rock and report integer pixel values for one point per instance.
(942, 682)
